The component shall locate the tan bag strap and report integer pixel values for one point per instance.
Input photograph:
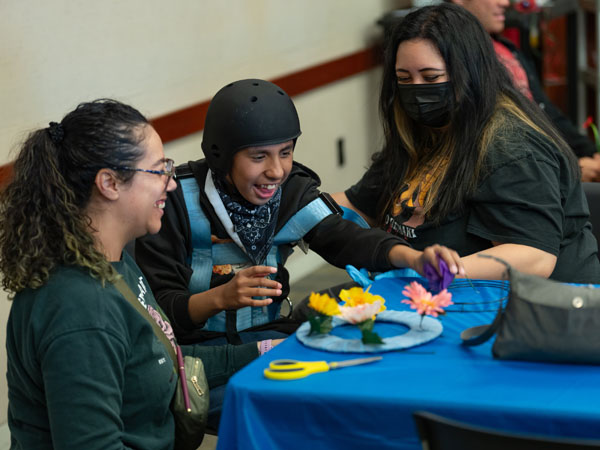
(126, 291)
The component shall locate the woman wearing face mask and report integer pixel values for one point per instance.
(468, 161)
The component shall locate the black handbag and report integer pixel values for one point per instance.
(190, 423)
(544, 320)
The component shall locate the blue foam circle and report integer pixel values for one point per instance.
(418, 333)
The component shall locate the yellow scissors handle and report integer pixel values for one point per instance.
(289, 369)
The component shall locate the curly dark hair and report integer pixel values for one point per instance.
(43, 220)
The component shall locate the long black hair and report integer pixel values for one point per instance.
(43, 220)
(480, 85)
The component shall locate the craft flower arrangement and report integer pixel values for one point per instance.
(360, 309)
(424, 302)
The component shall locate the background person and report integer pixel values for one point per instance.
(468, 161)
(523, 72)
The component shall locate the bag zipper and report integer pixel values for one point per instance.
(194, 379)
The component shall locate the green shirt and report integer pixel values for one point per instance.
(85, 370)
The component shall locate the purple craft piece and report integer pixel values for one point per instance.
(438, 282)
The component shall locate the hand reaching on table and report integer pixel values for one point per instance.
(404, 256)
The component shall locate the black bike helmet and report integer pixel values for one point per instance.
(247, 113)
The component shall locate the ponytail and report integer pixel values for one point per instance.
(43, 219)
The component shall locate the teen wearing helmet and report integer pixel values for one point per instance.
(230, 227)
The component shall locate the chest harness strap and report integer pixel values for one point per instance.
(205, 255)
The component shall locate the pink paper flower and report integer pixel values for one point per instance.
(360, 313)
(424, 302)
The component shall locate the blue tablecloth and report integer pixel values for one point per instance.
(370, 406)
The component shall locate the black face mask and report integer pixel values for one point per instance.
(427, 104)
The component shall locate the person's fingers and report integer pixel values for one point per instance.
(430, 256)
(588, 168)
(450, 257)
(256, 282)
(460, 267)
(452, 260)
(257, 303)
(256, 276)
(587, 174)
(264, 292)
(258, 271)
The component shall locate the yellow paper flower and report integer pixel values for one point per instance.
(323, 304)
(356, 296)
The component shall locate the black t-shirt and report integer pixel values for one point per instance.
(527, 195)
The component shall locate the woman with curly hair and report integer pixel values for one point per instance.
(468, 161)
(85, 369)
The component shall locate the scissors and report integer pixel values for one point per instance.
(290, 369)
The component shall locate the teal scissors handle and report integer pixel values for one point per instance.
(290, 369)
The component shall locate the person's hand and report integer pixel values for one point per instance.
(248, 283)
(430, 255)
(590, 168)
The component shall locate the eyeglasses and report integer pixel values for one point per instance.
(169, 170)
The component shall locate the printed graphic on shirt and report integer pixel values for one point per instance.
(156, 315)
(142, 294)
(392, 226)
(407, 209)
(164, 325)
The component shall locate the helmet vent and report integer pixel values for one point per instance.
(229, 85)
(253, 98)
(280, 93)
(254, 84)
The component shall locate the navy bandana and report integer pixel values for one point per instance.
(255, 225)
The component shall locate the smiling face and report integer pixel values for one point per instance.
(418, 61)
(257, 172)
(147, 192)
(489, 12)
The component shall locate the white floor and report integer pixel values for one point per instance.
(209, 443)
(4, 437)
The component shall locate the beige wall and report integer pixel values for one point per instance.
(161, 56)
